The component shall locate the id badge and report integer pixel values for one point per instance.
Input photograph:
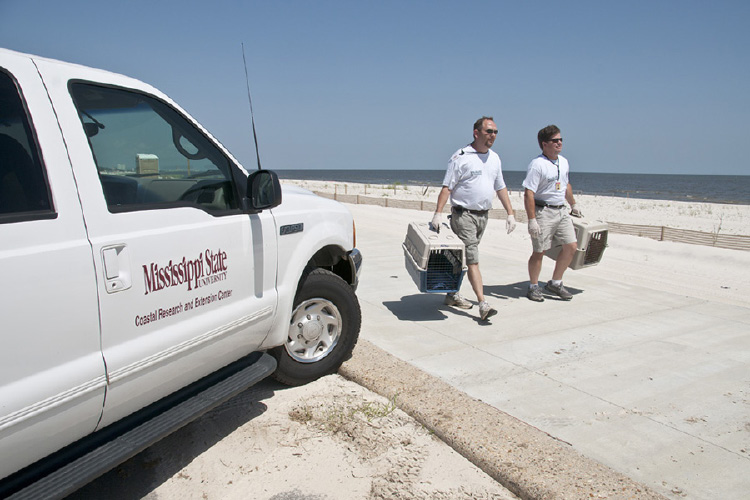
(557, 186)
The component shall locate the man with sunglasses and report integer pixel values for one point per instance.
(546, 189)
(473, 178)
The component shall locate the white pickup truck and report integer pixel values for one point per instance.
(146, 277)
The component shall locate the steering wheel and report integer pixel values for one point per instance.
(205, 194)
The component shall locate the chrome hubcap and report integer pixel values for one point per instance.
(314, 330)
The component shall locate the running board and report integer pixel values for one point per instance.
(75, 474)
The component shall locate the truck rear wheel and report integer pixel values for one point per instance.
(323, 330)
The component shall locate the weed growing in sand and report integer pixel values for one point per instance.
(372, 410)
(341, 415)
(334, 420)
(338, 418)
(395, 186)
(302, 414)
(717, 229)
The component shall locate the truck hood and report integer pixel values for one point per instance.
(292, 189)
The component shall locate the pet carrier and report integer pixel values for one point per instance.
(592, 240)
(435, 261)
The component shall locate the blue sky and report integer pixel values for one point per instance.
(636, 87)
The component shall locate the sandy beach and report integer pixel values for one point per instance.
(329, 440)
(706, 217)
(334, 439)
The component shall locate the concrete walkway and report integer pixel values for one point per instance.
(646, 370)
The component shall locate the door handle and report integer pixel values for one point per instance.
(116, 265)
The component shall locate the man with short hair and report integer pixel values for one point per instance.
(547, 187)
(473, 177)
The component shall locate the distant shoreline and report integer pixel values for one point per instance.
(732, 190)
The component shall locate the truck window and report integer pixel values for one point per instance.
(24, 193)
(149, 156)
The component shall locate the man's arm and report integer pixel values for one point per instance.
(528, 204)
(442, 199)
(437, 217)
(510, 222)
(505, 200)
(569, 195)
(572, 201)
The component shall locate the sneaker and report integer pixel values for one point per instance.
(485, 311)
(560, 291)
(535, 294)
(456, 300)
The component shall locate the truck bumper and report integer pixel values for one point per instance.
(355, 261)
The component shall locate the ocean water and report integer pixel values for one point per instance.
(733, 189)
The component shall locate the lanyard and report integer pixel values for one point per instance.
(555, 163)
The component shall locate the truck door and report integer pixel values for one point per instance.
(52, 379)
(186, 278)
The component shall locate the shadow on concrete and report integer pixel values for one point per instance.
(420, 307)
(430, 307)
(518, 291)
(511, 291)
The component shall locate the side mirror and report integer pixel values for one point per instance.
(263, 190)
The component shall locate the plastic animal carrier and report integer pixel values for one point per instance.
(592, 240)
(435, 261)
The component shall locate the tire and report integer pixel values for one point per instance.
(323, 331)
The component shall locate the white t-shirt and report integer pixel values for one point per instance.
(547, 179)
(473, 178)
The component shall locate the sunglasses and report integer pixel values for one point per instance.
(491, 131)
(556, 141)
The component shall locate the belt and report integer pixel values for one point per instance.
(460, 209)
(545, 204)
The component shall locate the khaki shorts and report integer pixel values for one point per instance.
(554, 223)
(469, 228)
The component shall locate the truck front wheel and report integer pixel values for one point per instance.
(323, 330)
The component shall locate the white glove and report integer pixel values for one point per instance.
(574, 211)
(534, 229)
(436, 221)
(510, 223)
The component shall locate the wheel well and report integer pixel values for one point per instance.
(334, 259)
